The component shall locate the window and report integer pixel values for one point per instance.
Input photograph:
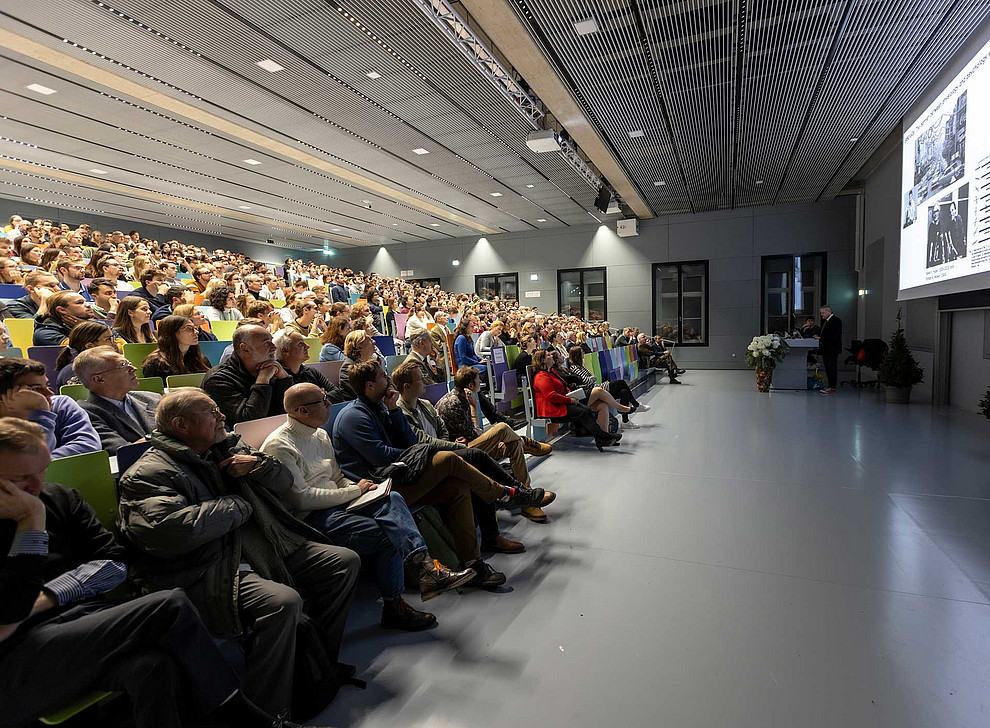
(503, 285)
(793, 290)
(680, 302)
(582, 293)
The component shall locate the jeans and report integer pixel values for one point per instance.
(386, 531)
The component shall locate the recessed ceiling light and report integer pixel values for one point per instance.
(38, 88)
(269, 65)
(586, 26)
(759, 181)
(251, 161)
(636, 133)
(434, 224)
(534, 276)
(660, 183)
(531, 186)
(421, 151)
(395, 224)
(495, 194)
(854, 140)
(455, 262)
(335, 230)
(98, 171)
(373, 74)
(244, 207)
(541, 219)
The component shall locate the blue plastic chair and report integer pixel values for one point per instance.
(386, 345)
(213, 350)
(332, 416)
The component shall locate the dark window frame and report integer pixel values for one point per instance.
(496, 276)
(680, 298)
(790, 303)
(582, 271)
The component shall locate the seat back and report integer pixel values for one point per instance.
(400, 325)
(391, 362)
(21, 332)
(314, 349)
(89, 473)
(177, 381)
(12, 290)
(78, 392)
(213, 350)
(385, 344)
(335, 410)
(12, 353)
(47, 356)
(510, 390)
(254, 432)
(223, 330)
(498, 366)
(137, 353)
(329, 369)
(129, 454)
(434, 392)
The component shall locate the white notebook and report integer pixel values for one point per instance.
(577, 394)
(372, 496)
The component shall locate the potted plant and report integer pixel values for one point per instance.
(763, 354)
(899, 371)
(985, 404)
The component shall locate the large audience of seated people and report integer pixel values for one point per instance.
(222, 545)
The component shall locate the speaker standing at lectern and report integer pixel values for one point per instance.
(830, 346)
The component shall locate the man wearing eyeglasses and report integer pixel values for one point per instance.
(25, 394)
(120, 414)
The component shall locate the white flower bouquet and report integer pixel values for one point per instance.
(765, 352)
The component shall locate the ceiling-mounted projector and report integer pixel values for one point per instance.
(543, 140)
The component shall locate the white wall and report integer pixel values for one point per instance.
(732, 241)
(969, 373)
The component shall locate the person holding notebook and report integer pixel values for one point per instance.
(384, 528)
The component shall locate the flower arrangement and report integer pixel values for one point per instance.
(765, 352)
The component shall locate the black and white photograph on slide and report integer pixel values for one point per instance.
(910, 208)
(947, 221)
(940, 152)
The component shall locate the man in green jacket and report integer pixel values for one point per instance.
(202, 509)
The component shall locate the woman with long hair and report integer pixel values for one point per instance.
(141, 263)
(133, 321)
(10, 272)
(551, 402)
(94, 261)
(196, 316)
(31, 254)
(333, 339)
(178, 349)
(50, 258)
(464, 354)
(221, 305)
(84, 335)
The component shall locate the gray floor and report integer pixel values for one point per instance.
(742, 560)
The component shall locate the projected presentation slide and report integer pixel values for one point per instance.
(945, 208)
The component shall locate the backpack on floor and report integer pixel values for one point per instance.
(317, 678)
(439, 541)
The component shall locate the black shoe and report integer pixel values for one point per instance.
(674, 381)
(487, 577)
(681, 371)
(602, 442)
(523, 499)
(397, 614)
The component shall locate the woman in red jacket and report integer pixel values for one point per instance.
(552, 402)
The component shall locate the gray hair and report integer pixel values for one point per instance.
(174, 405)
(419, 337)
(90, 361)
(282, 340)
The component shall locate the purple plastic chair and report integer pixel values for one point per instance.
(47, 356)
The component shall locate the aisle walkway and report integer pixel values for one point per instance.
(742, 560)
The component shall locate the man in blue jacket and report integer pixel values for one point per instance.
(372, 432)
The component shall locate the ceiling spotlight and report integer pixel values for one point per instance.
(373, 75)
(395, 224)
(455, 262)
(251, 161)
(495, 194)
(38, 88)
(660, 183)
(636, 133)
(854, 140)
(586, 26)
(531, 186)
(434, 224)
(98, 171)
(759, 181)
(244, 207)
(421, 151)
(541, 219)
(269, 65)
(335, 230)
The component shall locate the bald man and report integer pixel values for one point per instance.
(384, 530)
(251, 384)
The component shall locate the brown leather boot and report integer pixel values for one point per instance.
(502, 545)
(539, 449)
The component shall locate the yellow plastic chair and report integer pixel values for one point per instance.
(314, 349)
(223, 330)
(137, 353)
(277, 304)
(184, 380)
(21, 332)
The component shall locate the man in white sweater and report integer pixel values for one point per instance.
(384, 529)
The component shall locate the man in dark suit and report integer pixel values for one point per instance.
(830, 346)
(421, 354)
(119, 414)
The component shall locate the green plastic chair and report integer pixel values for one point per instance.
(223, 330)
(78, 392)
(90, 475)
(93, 698)
(511, 352)
(137, 353)
(184, 380)
(392, 362)
(314, 349)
